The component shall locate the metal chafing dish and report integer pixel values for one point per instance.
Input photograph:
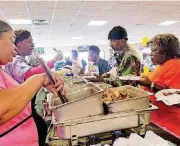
(139, 100)
(103, 123)
(85, 101)
(84, 114)
(74, 87)
(102, 85)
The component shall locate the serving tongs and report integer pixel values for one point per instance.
(49, 75)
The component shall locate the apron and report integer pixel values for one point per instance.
(40, 124)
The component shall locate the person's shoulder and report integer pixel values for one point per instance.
(103, 60)
(172, 64)
(130, 56)
(8, 68)
(78, 60)
(132, 52)
(16, 60)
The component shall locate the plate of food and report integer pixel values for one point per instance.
(169, 96)
(130, 78)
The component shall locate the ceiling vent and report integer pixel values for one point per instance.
(41, 22)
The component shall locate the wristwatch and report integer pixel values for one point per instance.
(152, 85)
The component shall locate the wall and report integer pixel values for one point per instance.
(67, 50)
(49, 53)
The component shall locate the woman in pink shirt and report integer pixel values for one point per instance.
(17, 125)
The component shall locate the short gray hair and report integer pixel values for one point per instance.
(4, 27)
(168, 43)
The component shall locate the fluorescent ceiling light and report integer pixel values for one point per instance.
(41, 22)
(168, 22)
(20, 21)
(77, 38)
(97, 23)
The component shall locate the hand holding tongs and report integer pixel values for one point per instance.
(49, 75)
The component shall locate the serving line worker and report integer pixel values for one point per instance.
(165, 53)
(15, 105)
(19, 68)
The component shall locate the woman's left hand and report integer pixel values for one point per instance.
(145, 81)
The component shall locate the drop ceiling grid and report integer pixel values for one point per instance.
(95, 13)
(128, 13)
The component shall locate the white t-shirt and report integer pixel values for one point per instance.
(76, 66)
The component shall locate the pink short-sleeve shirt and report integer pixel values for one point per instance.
(24, 135)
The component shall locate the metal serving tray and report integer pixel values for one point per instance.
(99, 124)
(74, 87)
(140, 100)
(84, 102)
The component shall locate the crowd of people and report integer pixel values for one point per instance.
(21, 80)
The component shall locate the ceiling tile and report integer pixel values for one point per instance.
(71, 5)
(98, 5)
(40, 4)
(12, 4)
(64, 14)
(89, 12)
(138, 17)
(14, 11)
(14, 16)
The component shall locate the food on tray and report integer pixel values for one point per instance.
(171, 93)
(112, 94)
(62, 73)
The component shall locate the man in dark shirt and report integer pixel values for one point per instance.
(94, 57)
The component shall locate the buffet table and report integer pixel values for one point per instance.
(150, 127)
(107, 136)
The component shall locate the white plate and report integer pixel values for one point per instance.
(130, 78)
(89, 77)
(170, 99)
